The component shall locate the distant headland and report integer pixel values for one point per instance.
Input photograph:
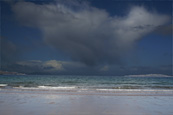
(149, 75)
(10, 73)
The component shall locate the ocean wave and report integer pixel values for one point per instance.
(3, 85)
(45, 88)
(78, 88)
(50, 87)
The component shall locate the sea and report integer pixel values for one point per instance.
(77, 83)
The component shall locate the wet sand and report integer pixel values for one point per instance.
(34, 103)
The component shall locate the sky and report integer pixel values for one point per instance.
(86, 37)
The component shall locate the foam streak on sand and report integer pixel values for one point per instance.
(137, 90)
(107, 92)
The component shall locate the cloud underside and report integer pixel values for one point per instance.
(88, 34)
(76, 68)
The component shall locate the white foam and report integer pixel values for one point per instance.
(45, 88)
(50, 87)
(21, 87)
(3, 85)
(136, 90)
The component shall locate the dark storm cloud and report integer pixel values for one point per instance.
(165, 30)
(88, 34)
(77, 68)
(136, 70)
(8, 51)
(48, 67)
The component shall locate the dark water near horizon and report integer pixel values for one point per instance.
(67, 82)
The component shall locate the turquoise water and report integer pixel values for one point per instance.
(83, 82)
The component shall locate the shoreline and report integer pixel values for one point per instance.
(91, 92)
(77, 103)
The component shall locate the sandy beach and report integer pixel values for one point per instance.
(43, 103)
(86, 57)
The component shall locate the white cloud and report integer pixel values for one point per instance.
(88, 34)
(56, 65)
(50, 65)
